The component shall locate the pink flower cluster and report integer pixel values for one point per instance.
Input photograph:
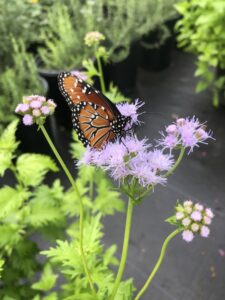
(193, 218)
(35, 109)
(188, 133)
(131, 158)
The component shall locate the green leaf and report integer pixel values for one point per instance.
(10, 235)
(8, 145)
(201, 86)
(115, 95)
(77, 148)
(125, 290)
(1, 266)
(109, 258)
(47, 281)
(172, 220)
(33, 167)
(11, 200)
(107, 201)
(45, 206)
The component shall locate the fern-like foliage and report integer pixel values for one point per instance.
(16, 81)
(31, 211)
(64, 46)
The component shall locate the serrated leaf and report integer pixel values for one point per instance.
(125, 290)
(11, 200)
(107, 201)
(33, 167)
(47, 281)
(8, 145)
(45, 206)
(109, 258)
(8, 138)
(10, 235)
(52, 296)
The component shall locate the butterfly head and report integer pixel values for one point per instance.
(121, 124)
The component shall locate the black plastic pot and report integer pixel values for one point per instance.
(124, 74)
(157, 58)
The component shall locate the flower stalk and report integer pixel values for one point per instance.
(81, 223)
(158, 264)
(179, 159)
(125, 248)
(100, 72)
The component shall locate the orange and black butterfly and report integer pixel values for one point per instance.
(95, 118)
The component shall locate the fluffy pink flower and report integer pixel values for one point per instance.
(207, 220)
(179, 215)
(36, 104)
(34, 109)
(27, 120)
(187, 235)
(45, 110)
(195, 227)
(36, 112)
(199, 207)
(186, 222)
(196, 216)
(81, 75)
(209, 213)
(205, 231)
(171, 129)
(187, 133)
(130, 110)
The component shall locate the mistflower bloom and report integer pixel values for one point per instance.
(193, 221)
(93, 38)
(130, 158)
(188, 133)
(35, 109)
(187, 235)
(79, 74)
(28, 120)
(130, 110)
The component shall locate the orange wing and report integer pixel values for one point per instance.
(76, 90)
(93, 124)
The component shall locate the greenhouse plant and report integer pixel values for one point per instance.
(201, 31)
(19, 79)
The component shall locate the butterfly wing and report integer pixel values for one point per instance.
(95, 118)
(76, 90)
(93, 124)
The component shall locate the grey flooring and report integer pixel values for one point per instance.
(193, 271)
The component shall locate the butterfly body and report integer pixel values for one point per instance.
(94, 117)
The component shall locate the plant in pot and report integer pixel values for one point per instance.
(201, 31)
(116, 20)
(23, 20)
(15, 82)
(63, 50)
(157, 41)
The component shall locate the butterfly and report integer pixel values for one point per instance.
(94, 117)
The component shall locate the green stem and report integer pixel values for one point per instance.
(101, 77)
(81, 225)
(160, 260)
(182, 151)
(125, 248)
